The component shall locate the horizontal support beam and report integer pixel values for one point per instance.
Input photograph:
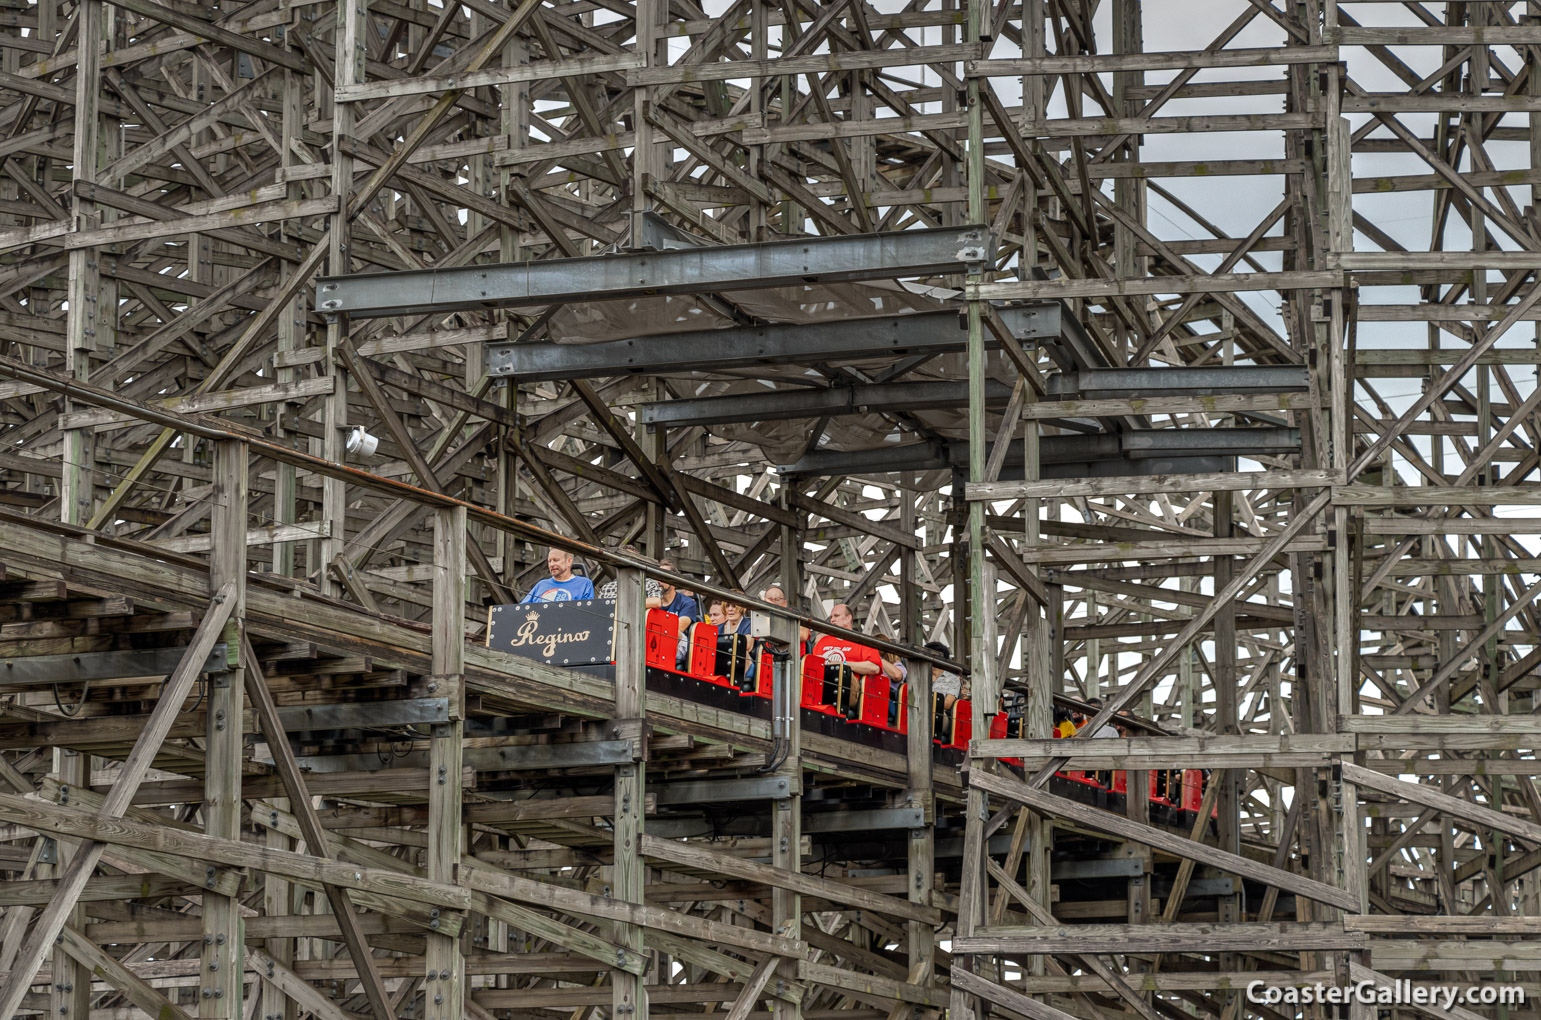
(78, 667)
(695, 856)
(895, 336)
(1215, 283)
(1448, 954)
(1444, 35)
(1454, 807)
(1109, 867)
(205, 403)
(915, 458)
(720, 790)
(331, 784)
(527, 756)
(1245, 403)
(1196, 748)
(678, 271)
(870, 820)
(1122, 551)
(267, 534)
(1230, 481)
(1218, 752)
(818, 63)
(540, 70)
(1143, 451)
(779, 405)
(1103, 63)
(1452, 724)
(1217, 380)
(1436, 495)
(1155, 443)
(363, 714)
(1159, 839)
(1165, 938)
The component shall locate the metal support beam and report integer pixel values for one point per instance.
(1145, 451)
(1127, 383)
(718, 791)
(654, 233)
(673, 271)
(868, 820)
(364, 714)
(78, 667)
(778, 405)
(892, 336)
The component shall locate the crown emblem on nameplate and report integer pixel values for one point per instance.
(532, 617)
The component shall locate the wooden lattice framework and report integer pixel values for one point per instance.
(1306, 229)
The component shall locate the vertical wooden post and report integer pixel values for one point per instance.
(515, 102)
(922, 848)
(1228, 799)
(444, 986)
(628, 990)
(352, 30)
(1225, 683)
(981, 658)
(649, 158)
(759, 45)
(291, 328)
(791, 576)
(786, 846)
(909, 628)
(654, 441)
(69, 996)
(277, 897)
(84, 322)
(222, 959)
(85, 325)
(1128, 191)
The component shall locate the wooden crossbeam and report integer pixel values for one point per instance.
(73, 882)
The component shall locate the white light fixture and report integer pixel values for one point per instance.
(361, 443)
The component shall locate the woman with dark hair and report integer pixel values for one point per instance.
(946, 689)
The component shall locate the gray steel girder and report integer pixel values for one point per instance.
(904, 253)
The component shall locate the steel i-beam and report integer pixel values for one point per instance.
(704, 350)
(904, 253)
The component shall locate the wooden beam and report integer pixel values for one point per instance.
(688, 855)
(49, 924)
(300, 802)
(1159, 839)
(1163, 938)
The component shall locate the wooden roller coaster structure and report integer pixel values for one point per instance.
(1170, 362)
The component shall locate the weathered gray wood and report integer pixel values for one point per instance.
(1159, 839)
(810, 885)
(109, 968)
(446, 979)
(48, 924)
(1165, 938)
(1456, 807)
(224, 732)
(629, 992)
(316, 841)
(1008, 998)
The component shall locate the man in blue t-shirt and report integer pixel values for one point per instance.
(562, 585)
(671, 599)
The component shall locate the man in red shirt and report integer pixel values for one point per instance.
(839, 649)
